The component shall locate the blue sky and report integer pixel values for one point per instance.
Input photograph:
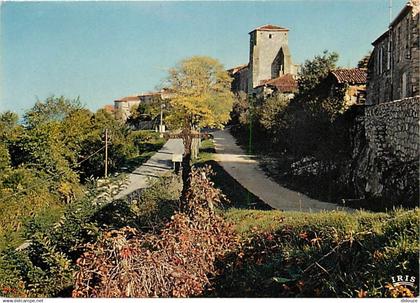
(102, 51)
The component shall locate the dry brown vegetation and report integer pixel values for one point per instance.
(177, 262)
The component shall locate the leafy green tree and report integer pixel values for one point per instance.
(51, 142)
(201, 97)
(240, 111)
(314, 92)
(52, 109)
(9, 132)
(146, 111)
(273, 116)
(363, 63)
(120, 147)
(313, 110)
(8, 124)
(4, 157)
(314, 71)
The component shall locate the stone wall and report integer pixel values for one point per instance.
(389, 163)
(393, 128)
(240, 81)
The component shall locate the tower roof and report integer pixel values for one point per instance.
(271, 28)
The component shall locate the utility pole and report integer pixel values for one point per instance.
(106, 153)
(390, 51)
(161, 130)
(390, 12)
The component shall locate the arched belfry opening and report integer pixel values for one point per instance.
(277, 67)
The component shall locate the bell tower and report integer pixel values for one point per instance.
(269, 55)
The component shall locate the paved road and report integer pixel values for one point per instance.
(244, 168)
(157, 165)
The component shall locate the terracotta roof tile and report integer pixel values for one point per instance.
(129, 98)
(137, 97)
(236, 69)
(285, 84)
(109, 108)
(350, 75)
(270, 27)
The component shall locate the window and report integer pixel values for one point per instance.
(398, 42)
(381, 58)
(407, 41)
(388, 61)
(270, 36)
(404, 86)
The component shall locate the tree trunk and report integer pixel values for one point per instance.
(186, 165)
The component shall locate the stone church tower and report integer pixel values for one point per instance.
(269, 55)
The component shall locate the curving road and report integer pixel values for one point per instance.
(159, 164)
(245, 169)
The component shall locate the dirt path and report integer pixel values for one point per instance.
(244, 168)
(157, 165)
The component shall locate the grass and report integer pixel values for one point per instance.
(365, 249)
(246, 222)
(239, 196)
(326, 254)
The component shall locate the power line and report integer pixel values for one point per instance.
(90, 156)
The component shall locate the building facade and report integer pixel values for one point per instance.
(269, 54)
(123, 106)
(270, 63)
(393, 69)
(349, 83)
(391, 120)
(239, 76)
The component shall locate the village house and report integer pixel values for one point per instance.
(239, 75)
(286, 85)
(123, 106)
(109, 108)
(349, 83)
(270, 66)
(391, 120)
(393, 70)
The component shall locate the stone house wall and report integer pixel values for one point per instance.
(393, 71)
(354, 94)
(240, 81)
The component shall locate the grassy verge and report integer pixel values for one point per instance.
(326, 254)
(239, 196)
(329, 254)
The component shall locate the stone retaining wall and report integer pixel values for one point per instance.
(392, 129)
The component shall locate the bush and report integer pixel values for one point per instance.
(46, 267)
(174, 263)
(145, 140)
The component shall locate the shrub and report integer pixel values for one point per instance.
(174, 263)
